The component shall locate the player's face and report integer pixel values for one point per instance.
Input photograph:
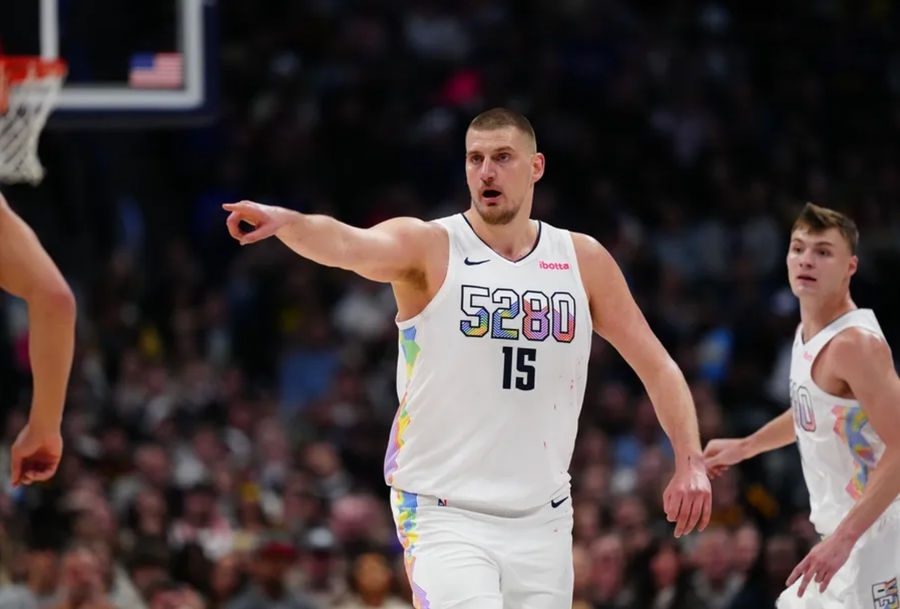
(501, 169)
(819, 263)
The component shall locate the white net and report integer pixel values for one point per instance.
(30, 102)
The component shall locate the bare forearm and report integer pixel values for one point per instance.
(675, 410)
(881, 489)
(51, 342)
(321, 239)
(776, 433)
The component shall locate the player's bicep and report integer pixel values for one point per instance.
(868, 368)
(614, 313)
(391, 251)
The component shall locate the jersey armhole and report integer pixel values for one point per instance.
(576, 268)
(812, 364)
(452, 249)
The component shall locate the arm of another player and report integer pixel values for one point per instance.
(617, 318)
(867, 367)
(391, 251)
(722, 453)
(28, 272)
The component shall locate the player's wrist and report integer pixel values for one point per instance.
(44, 423)
(748, 447)
(288, 220)
(848, 532)
(688, 457)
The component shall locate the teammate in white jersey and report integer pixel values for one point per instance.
(495, 313)
(845, 404)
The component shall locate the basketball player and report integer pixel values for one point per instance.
(495, 312)
(845, 404)
(28, 272)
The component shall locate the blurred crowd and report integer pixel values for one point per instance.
(229, 407)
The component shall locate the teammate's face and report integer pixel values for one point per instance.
(501, 169)
(819, 264)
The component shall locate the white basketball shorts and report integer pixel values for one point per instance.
(469, 559)
(868, 580)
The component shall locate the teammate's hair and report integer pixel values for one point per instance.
(817, 219)
(498, 118)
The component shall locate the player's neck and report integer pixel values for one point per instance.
(513, 240)
(817, 313)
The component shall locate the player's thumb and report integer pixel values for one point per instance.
(714, 459)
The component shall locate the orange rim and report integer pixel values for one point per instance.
(18, 68)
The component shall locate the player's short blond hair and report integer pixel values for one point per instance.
(817, 219)
(498, 118)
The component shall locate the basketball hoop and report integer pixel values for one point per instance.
(29, 87)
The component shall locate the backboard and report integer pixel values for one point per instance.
(136, 63)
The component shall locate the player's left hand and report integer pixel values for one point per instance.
(35, 454)
(823, 561)
(687, 499)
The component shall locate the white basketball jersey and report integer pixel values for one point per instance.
(838, 447)
(491, 376)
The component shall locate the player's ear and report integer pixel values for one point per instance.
(537, 166)
(854, 262)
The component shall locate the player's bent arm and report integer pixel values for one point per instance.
(617, 318)
(392, 251)
(867, 367)
(776, 433)
(27, 271)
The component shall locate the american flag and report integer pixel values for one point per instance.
(156, 71)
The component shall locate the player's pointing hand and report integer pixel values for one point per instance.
(265, 220)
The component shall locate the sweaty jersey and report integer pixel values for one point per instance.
(838, 446)
(491, 376)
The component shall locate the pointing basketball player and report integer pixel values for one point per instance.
(495, 313)
(28, 272)
(845, 405)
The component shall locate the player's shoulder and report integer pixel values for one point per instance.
(591, 252)
(413, 229)
(857, 346)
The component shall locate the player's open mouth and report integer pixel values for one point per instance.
(490, 195)
(805, 278)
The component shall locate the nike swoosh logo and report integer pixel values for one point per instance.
(474, 262)
(556, 504)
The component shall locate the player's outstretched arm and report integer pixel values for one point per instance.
(391, 251)
(617, 318)
(867, 367)
(28, 272)
(722, 453)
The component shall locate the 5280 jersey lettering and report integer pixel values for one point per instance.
(496, 312)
